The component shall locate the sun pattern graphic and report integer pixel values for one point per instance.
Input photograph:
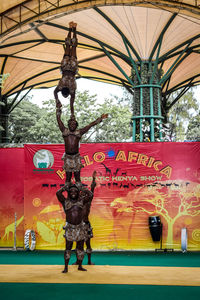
(36, 202)
(196, 235)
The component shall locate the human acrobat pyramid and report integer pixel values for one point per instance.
(77, 203)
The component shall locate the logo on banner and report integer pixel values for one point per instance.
(43, 160)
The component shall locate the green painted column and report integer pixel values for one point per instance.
(147, 103)
(141, 113)
(152, 136)
(160, 114)
(134, 130)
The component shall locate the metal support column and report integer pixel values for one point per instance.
(152, 115)
(141, 114)
(134, 130)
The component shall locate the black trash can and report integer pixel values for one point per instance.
(155, 227)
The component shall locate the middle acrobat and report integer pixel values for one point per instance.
(69, 68)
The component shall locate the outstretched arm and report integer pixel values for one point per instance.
(60, 195)
(58, 103)
(97, 121)
(58, 117)
(56, 94)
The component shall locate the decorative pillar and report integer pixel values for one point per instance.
(147, 116)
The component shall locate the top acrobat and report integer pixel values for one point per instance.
(69, 69)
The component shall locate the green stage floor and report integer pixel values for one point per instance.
(59, 291)
(168, 259)
(36, 291)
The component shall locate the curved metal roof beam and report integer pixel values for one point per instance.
(110, 51)
(34, 10)
(122, 55)
(124, 38)
(184, 83)
(26, 86)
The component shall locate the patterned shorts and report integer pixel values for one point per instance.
(69, 64)
(75, 233)
(68, 81)
(72, 163)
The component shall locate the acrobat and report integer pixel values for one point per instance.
(69, 69)
(72, 137)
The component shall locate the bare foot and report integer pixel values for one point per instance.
(80, 268)
(65, 270)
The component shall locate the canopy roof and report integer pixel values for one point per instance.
(112, 35)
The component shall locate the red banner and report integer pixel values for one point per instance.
(12, 196)
(134, 181)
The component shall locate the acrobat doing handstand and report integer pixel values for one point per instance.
(69, 68)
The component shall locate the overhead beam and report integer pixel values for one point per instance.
(28, 79)
(159, 40)
(38, 32)
(189, 41)
(26, 85)
(119, 31)
(101, 72)
(121, 54)
(114, 52)
(184, 83)
(182, 92)
(56, 7)
(13, 107)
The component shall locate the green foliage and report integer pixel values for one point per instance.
(30, 124)
(3, 79)
(22, 118)
(181, 113)
(114, 129)
(45, 130)
(193, 130)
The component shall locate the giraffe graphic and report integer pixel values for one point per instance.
(11, 228)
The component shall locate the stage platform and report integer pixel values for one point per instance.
(116, 275)
(101, 275)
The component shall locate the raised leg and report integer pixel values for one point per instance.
(74, 41)
(68, 40)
